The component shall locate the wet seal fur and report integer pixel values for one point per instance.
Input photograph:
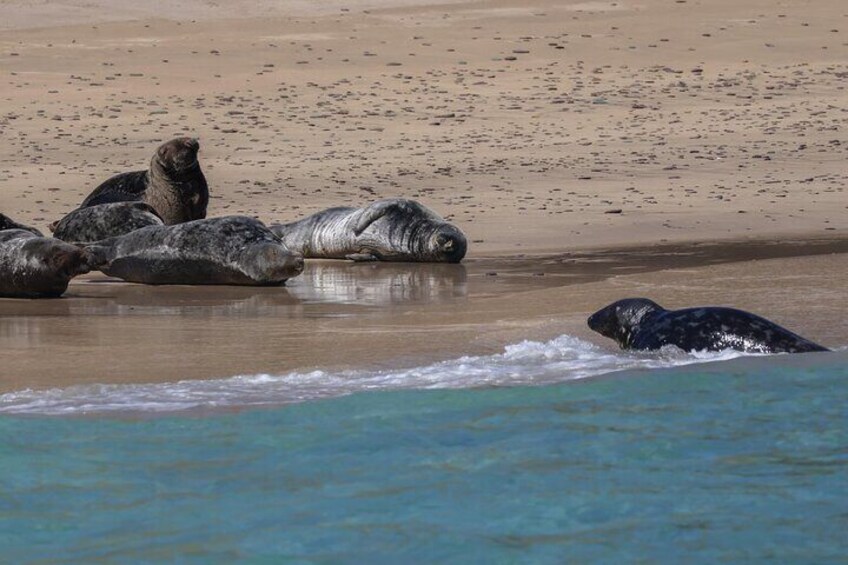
(173, 185)
(639, 323)
(105, 220)
(7, 223)
(233, 250)
(396, 229)
(32, 266)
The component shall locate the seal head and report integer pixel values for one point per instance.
(621, 320)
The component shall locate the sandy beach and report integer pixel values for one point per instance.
(687, 151)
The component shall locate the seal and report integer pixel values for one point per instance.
(395, 229)
(104, 221)
(7, 223)
(173, 185)
(233, 250)
(639, 323)
(32, 266)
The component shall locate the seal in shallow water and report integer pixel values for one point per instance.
(32, 266)
(396, 229)
(232, 250)
(104, 221)
(7, 223)
(174, 185)
(639, 323)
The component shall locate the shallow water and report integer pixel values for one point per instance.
(741, 460)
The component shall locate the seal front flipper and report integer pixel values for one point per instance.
(376, 211)
(361, 257)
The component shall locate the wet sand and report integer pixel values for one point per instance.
(345, 315)
(582, 146)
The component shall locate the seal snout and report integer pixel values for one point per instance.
(603, 321)
(451, 245)
(271, 263)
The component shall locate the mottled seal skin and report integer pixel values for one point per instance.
(105, 220)
(7, 223)
(32, 266)
(389, 230)
(639, 323)
(174, 185)
(233, 250)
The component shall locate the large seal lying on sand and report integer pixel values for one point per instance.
(174, 185)
(232, 250)
(32, 266)
(104, 221)
(639, 323)
(7, 223)
(388, 230)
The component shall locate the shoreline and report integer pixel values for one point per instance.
(340, 315)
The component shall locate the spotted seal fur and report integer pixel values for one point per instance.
(32, 266)
(104, 221)
(639, 323)
(396, 229)
(233, 250)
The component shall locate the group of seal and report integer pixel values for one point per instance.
(150, 227)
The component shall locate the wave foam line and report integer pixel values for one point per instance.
(526, 363)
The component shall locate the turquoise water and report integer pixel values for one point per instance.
(734, 461)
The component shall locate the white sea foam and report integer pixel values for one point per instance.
(526, 363)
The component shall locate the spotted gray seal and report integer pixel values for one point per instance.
(7, 223)
(232, 250)
(104, 221)
(173, 185)
(396, 229)
(639, 323)
(32, 266)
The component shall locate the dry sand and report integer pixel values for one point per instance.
(539, 127)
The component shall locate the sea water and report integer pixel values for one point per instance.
(546, 453)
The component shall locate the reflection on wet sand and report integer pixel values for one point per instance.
(379, 284)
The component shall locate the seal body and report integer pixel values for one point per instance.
(173, 185)
(388, 230)
(7, 223)
(32, 266)
(233, 250)
(639, 323)
(105, 220)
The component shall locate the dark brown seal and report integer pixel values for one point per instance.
(174, 185)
